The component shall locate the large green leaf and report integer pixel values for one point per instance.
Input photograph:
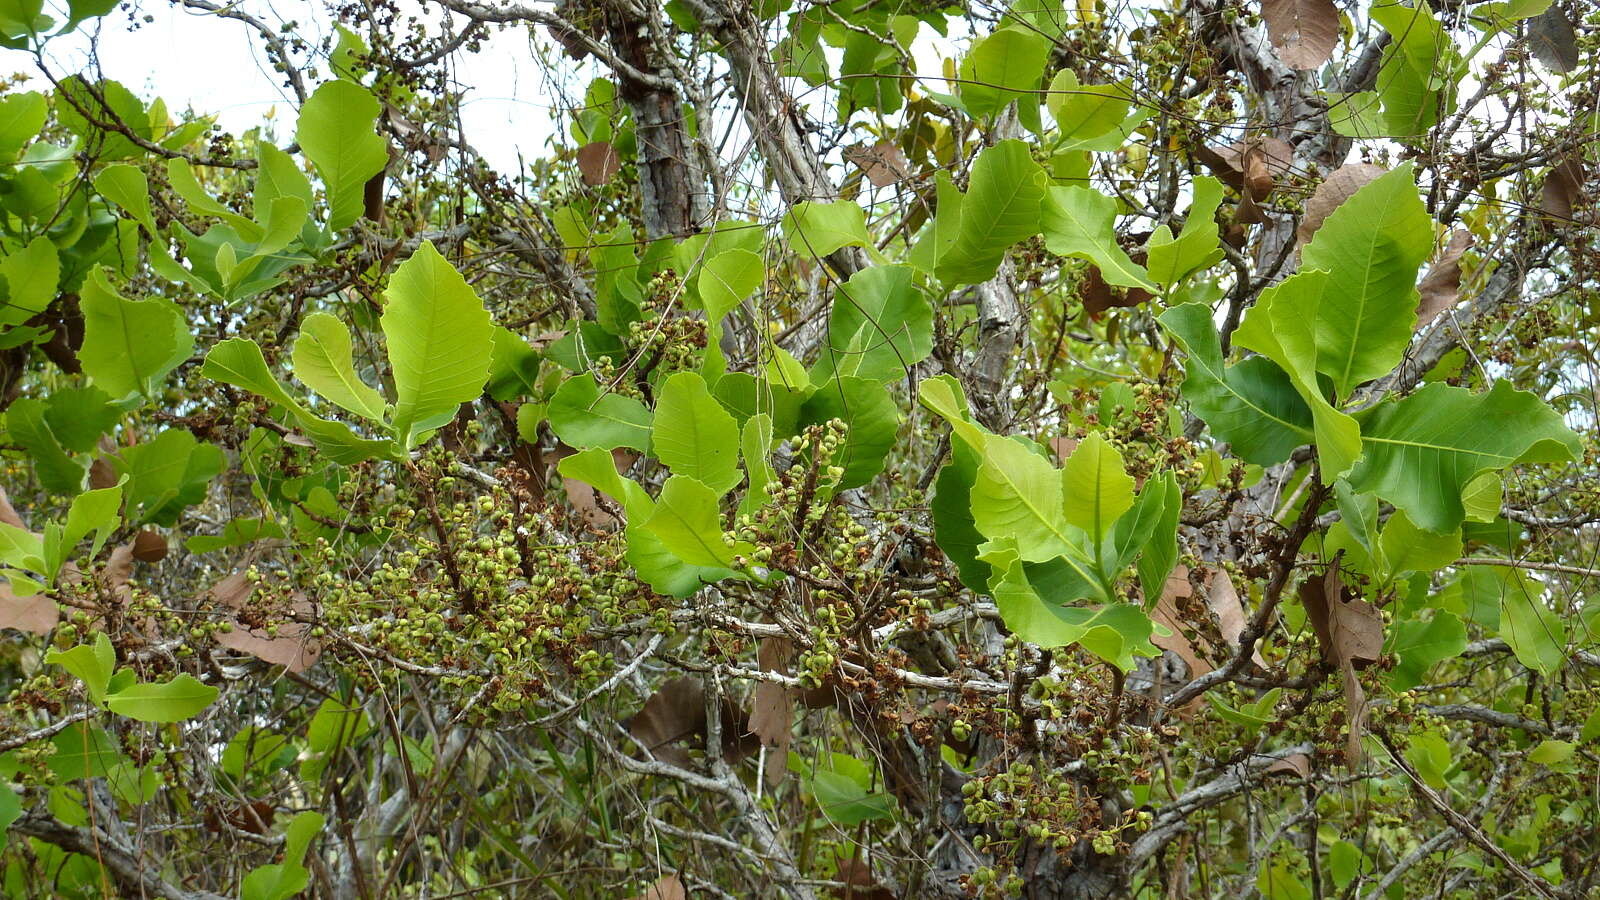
(440, 342)
(1281, 326)
(337, 132)
(880, 326)
(597, 468)
(1096, 489)
(584, 417)
(166, 474)
(57, 471)
(1002, 206)
(170, 701)
(90, 663)
(818, 229)
(1084, 112)
(238, 361)
(1371, 247)
(693, 435)
(31, 275)
(1171, 259)
(1002, 67)
(688, 522)
(129, 346)
(1078, 222)
(1420, 644)
(1253, 405)
(323, 362)
(1115, 632)
(1420, 453)
(873, 419)
(1532, 629)
(1418, 71)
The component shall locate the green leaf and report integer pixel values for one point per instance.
(1421, 452)
(953, 527)
(1532, 629)
(1552, 753)
(94, 511)
(323, 361)
(166, 475)
(337, 133)
(1096, 489)
(1281, 327)
(1407, 548)
(84, 750)
(688, 522)
(171, 701)
(583, 417)
(1002, 206)
(1418, 71)
(238, 361)
(1371, 246)
(280, 881)
(22, 115)
(597, 468)
(818, 229)
(126, 186)
(129, 346)
(21, 549)
(10, 806)
(872, 418)
(79, 416)
(882, 312)
(90, 664)
(57, 471)
(1160, 552)
(440, 342)
(31, 274)
(1003, 67)
(1253, 405)
(236, 533)
(1115, 632)
(1086, 111)
(1171, 259)
(1421, 644)
(755, 441)
(693, 435)
(1078, 222)
(726, 279)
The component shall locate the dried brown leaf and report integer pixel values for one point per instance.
(1223, 600)
(882, 163)
(1563, 188)
(292, 646)
(1167, 612)
(668, 887)
(1063, 447)
(8, 513)
(1098, 296)
(677, 713)
(119, 568)
(1441, 287)
(1304, 32)
(232, 591)
(149, 546)
(1553, 40)
(1296, 764)
(598, 163)
(35, 615)
(1334, 190)
(859, 882)
(772, 708)
(1350, 632)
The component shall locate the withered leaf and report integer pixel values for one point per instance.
(677, 713)
(149, 546)
(668, 887)
(882, 163)
(1167, 612)
(1274, 159)
(598, 162)
(1223, 599)
(1334, 190)
(1553, 40)
(8, 513)
(772, 708)
(290, 646)
(1441, 287)
(1296, 764)
(119, 568)
(1098, 296)
(1563, 187)
(1304, 32)
(1350, 632)
(36, 615)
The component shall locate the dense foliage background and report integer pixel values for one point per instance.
(1156, 459)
